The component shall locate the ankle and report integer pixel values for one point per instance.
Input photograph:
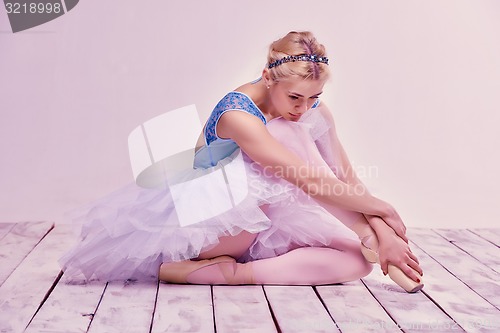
(236, 273)
(370, 241)
(366, 234)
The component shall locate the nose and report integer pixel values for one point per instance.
(302, 107)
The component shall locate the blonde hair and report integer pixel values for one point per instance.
(295, 44)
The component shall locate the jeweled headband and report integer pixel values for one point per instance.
(303, 57)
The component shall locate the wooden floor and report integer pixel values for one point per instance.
(462, 293)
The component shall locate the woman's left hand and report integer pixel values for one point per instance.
(394, 250)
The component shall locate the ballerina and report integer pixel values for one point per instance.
(307, 220)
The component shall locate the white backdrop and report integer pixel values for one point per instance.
(414, 93)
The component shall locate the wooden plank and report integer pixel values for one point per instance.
(354, 309)
(16, 245)
(125, 307)
(241, 309)
(25, 289)
(490, 234)
(183, 308)
(473, 273)
(69, 308)
(474, 245)
(298, 309)
(466, 307)
(5, 228)
(411, 312)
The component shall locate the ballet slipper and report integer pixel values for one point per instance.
(395, 273)
(178, 272)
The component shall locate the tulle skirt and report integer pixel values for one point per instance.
(130, 232)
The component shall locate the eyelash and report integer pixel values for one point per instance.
(296, 98)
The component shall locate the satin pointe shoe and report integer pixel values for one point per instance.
(178, 272)
(395, 273)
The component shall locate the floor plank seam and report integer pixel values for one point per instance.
(478, 235)
(46, 296)
(154, 306)
(326, 307)
(92, 315)
(276, 324)
(456, 277)
(441, 308)
(27, 254)
(213, 307)
(45, 235)
(383, 307)
(461, 249)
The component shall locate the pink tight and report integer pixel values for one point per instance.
(302, 266)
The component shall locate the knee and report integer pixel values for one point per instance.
(358, 268)
(364, 268)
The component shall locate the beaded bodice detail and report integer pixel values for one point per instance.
(234, 100)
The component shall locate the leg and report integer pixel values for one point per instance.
(302, 266)
(312, 266)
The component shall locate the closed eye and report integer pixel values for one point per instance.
(293, 97)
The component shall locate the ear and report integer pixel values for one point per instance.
(266, 76)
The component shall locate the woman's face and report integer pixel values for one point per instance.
(294, 96)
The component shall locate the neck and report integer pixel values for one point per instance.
(262, 99)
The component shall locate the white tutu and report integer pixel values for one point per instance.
(130, 232)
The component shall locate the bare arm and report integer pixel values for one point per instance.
(255, 140)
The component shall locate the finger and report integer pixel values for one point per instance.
(413, 257)
(402, 235)
(384, 266)
(415, 266)
(412, 273)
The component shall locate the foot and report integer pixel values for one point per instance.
(178, 272)
(219, 270)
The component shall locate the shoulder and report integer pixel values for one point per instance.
(239, 124)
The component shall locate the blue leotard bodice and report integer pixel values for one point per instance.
(216, 148)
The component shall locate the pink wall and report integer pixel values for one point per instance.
(414, 92)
